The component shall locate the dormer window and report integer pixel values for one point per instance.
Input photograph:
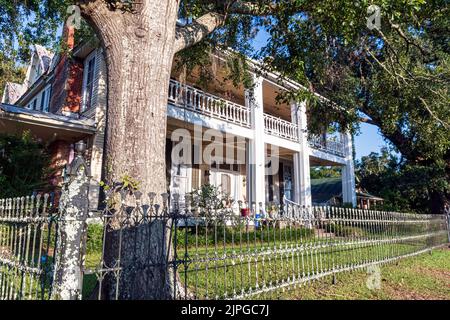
(88, 81)
(33, 104)
(45, 99)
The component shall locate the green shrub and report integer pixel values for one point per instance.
(24, 165)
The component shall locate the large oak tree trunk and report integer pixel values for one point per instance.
(139, 49)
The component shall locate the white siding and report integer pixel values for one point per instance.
(98, 111)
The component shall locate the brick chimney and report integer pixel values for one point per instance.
(67, 84)
(69, 36)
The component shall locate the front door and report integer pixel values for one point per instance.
(226, 179)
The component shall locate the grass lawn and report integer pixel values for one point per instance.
(426, 276)
(253, 263)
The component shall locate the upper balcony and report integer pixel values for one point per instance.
(196, 100)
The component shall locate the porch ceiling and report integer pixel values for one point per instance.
(318, 162)
(271, 106)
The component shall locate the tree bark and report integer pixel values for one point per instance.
(139, 49)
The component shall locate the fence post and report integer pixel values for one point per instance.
(73, 210)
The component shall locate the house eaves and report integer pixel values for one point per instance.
(49, 120)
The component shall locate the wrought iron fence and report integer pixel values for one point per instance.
(212, 253)
(28, 237)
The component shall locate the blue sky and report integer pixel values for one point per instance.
(369, 140)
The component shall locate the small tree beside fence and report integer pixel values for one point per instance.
(197, 252)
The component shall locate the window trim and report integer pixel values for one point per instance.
(32, 105)
(89, 58)
(49, 97)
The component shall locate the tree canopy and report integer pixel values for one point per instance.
(23, 165)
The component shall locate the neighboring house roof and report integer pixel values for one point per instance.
(12, 92)
(323, 190)
(45, 57)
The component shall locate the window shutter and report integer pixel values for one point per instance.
(98, 57)
(43, 99)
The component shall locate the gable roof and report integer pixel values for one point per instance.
(40, 64)
(41, 57)
(12, 92)
(45, 57)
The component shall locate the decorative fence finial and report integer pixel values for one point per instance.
(79, 161)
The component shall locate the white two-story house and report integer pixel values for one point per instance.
(63, 100)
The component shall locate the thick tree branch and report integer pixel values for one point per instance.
(201, 27)
(195, 32)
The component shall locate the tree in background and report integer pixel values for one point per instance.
(325, 172)
(23, 165)
(394, 76)
(403, 186)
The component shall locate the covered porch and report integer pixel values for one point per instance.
(197, 156)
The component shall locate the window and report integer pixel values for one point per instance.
(88, 81)
(46, 94)
(45, 99)
(32, 105)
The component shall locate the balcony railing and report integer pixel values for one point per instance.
(188, 97)
(281, 128)
(327, 144)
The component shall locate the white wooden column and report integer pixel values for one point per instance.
(249, 155)
(302, 179)
(348, 172)
(256, 149)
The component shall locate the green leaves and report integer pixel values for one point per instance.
(404, 186)
(23, 165)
